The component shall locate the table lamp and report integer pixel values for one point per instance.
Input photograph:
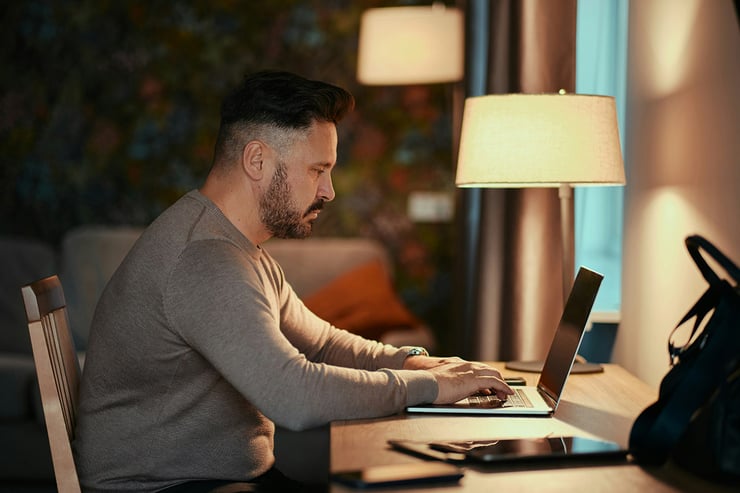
(541, 140)
(410, 45)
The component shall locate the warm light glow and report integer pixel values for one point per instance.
(539, 140)
(410, 45)
(670, 54)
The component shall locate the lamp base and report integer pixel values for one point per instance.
(536, 367)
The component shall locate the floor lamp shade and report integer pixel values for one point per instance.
(410, 45)
(539, 140)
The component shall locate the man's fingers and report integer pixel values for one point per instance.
(459, 379)
(498, 386)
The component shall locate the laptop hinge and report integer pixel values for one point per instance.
(549, 398)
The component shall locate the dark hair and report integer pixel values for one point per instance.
(286, 100)
(280, 100)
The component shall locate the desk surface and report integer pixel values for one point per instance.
(602, 405)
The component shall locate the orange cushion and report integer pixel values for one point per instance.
(361, 301)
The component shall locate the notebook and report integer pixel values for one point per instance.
(543, 399)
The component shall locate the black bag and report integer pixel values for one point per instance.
(696, 420)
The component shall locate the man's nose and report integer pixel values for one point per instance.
(326, 188)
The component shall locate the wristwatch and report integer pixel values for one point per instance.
(417, 351)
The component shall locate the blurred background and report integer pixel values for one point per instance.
(109, 112)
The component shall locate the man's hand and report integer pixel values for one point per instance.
(457, 378)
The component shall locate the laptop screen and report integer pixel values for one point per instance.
(569, 333)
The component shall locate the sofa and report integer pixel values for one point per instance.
(346, 280)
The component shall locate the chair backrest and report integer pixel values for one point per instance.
(58, 372)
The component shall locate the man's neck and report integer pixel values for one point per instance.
(239, 204)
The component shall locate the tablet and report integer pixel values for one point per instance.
(513, 450)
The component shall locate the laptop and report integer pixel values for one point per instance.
(543, 399)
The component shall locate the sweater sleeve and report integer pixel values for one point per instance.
(229, 308)
(322, 342)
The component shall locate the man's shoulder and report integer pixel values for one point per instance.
(191, 219)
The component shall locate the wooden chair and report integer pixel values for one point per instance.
(58, 372)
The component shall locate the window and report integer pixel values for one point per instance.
(601, 68)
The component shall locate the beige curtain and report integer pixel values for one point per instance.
(519, 297)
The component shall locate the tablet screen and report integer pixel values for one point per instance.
(514, 449)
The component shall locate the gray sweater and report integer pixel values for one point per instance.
(199, 347)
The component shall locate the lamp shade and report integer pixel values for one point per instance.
(539, 140)
(410, 45)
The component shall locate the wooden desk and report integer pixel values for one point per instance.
(602, 405)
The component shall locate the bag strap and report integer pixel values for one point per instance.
(695, 243)
(700, 310)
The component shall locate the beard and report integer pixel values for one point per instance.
(278, 211)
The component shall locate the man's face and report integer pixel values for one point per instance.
(300, 184)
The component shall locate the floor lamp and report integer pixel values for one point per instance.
(542, 140)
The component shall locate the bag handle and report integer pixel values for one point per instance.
(706, 303)
(695, 243)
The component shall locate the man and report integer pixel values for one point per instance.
(199, 346)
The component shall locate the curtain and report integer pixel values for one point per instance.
(515, 273)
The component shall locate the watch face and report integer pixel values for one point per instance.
(418, 351)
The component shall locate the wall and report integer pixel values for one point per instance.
(683, 148)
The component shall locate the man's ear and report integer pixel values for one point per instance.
(252, 159)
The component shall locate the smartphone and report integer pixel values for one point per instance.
(400, 475)
(515, 381)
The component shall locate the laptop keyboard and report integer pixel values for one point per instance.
(518, 399)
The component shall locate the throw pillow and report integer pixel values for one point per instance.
(362, 301)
